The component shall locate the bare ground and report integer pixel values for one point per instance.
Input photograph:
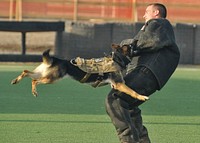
(36, 42)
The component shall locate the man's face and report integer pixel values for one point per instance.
(150, 13)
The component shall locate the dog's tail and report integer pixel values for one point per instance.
(46, 57)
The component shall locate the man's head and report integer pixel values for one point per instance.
(155, 10)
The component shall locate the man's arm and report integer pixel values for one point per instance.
(153, 36)
(156, 35)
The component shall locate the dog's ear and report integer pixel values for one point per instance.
(115, 46)
(123, 50)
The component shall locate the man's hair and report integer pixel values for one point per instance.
(162, 9)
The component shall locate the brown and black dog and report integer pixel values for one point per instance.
(53, 69)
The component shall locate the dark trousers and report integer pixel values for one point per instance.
(123, 109)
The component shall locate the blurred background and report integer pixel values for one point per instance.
(90, 26)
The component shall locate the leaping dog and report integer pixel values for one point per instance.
(53, 69)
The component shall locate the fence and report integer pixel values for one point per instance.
(94, 40)
(90, 40)
(112, 10)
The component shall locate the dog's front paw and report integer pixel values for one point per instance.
(142, 98)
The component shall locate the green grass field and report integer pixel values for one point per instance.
(69, 112)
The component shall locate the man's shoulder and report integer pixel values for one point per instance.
(152, 24)
(158, 21)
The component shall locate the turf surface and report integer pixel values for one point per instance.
(69, 112)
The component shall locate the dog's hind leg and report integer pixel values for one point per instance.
(34, 89)
(35, 82)
(20, 77)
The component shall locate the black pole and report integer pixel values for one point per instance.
(23, 43)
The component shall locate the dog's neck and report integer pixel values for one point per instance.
(79, 75)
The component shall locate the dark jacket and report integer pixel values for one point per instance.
(158, 50)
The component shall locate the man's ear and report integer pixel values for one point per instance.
(156, 12)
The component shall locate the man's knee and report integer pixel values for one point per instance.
(108, 102)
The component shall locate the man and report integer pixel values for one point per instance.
(158, 57)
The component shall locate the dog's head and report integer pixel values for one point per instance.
(127, 50)
(122, 55)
